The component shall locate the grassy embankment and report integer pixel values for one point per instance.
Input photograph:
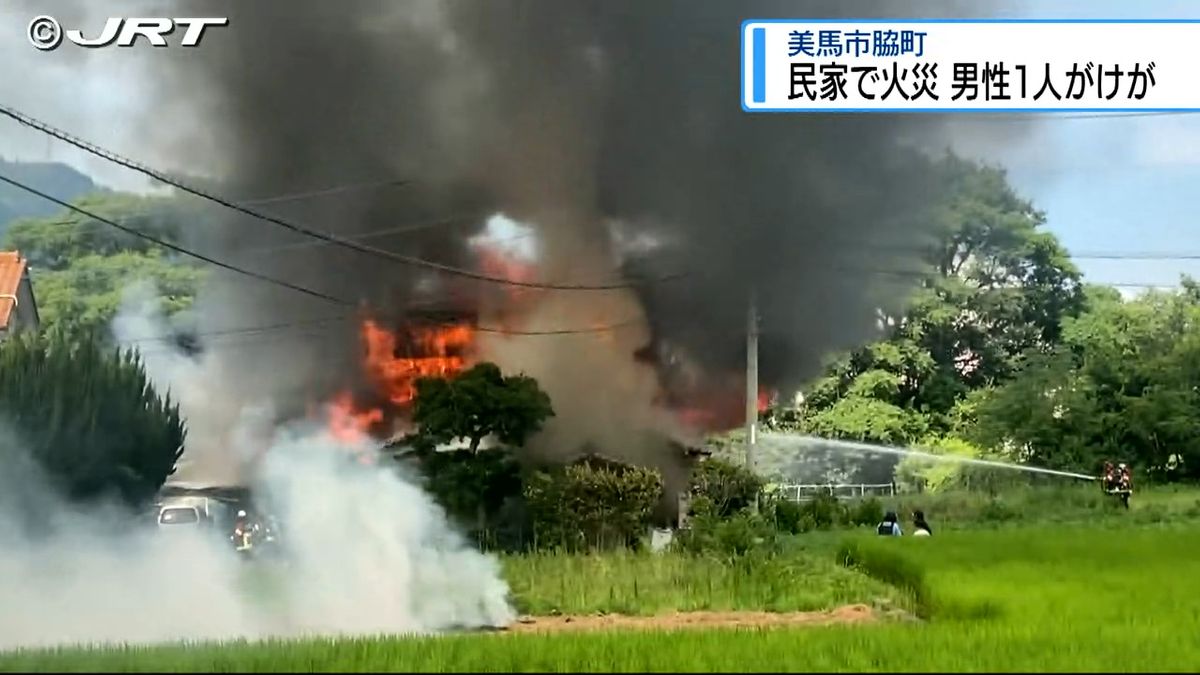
(1043, 597)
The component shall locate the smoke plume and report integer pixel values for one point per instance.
(367, 553)
(579, 118)
(575, 118)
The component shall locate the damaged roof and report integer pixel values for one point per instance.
(12, 271)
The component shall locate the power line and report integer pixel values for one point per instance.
(316, 234)
(271, 332)
(285, 331)
(278, 282)
(1085, 255)
(370, 234)
(143, 212)
(467, 216)
(290, 325)
(173, 247)
(310, 323)
(919, 274)
(322, 192)
(257, 329)
(1135, 256)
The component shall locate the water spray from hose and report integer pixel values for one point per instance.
(797, 439)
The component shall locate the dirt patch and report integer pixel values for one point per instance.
(849, 614)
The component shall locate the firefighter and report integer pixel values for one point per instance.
(1124, 479)
(243, 531)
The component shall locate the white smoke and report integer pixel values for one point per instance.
(223, 427)
(371, 552)
(365, 550)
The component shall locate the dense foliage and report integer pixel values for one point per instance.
(592, 505)
(1124, 384)
(89, 418)
(994, 287)
(81, 266)
(723, 489)
(478, 403)
(1003, 352)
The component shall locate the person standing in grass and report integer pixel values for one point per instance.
(920, 525)
(890, 527)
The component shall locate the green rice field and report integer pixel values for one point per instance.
(1047, 597)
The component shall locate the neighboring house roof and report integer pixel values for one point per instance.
(12, 271)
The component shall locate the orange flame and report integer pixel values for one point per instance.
(436, 351)
(394, 362)
(346, 423)
(718, 409)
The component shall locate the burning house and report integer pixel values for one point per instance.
(652, 207)
(395, 355)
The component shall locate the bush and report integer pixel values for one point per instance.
(825, 511)
(790, 517)
(822, 513)
(868, 511)
(997, 511)
(737, 535)
(591, 506)
(728, 488)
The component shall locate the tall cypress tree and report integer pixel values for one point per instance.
(89, 417)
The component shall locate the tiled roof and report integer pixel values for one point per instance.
(12, 269)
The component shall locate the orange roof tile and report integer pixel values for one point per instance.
(12, 269)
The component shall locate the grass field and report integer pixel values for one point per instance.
(644, 584)
(1118, 595)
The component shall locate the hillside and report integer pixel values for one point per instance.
(54, 178)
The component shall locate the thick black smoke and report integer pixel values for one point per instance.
(568, 114)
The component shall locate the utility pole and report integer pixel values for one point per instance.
(751, 382)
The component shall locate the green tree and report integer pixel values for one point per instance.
(80, 266)
(86, 295)
(1123, 385)
(1046, 416)
(994, 287)
(89, 418)
(477, 403)
(867, 420)
(55, 242)
(473, 405)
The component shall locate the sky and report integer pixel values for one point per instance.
(1109, 185)
(1113, 184)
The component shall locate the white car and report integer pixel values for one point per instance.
(193, 511)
